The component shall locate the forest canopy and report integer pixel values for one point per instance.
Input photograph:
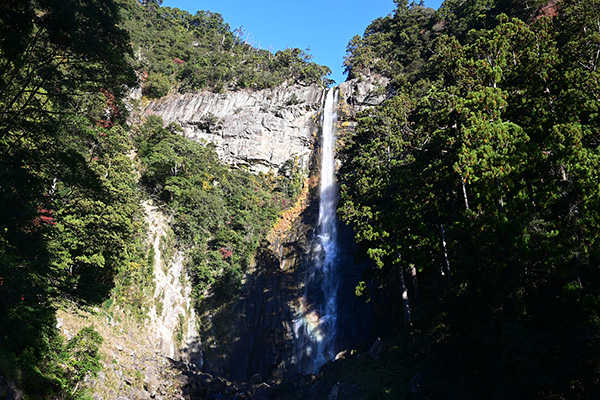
(475, 190)
(174, 48)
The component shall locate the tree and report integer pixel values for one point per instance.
(396, 46)
(500, 155)
(63, 71)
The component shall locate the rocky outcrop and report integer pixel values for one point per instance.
(260, 129)
(364, 92)
(172, 319)
(263, 129)
(357, 95)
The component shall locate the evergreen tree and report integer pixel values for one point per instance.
(490, 175)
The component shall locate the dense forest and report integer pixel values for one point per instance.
(175, 49)
(73, 228)
(474, 189)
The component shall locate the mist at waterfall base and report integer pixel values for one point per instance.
(315, 327)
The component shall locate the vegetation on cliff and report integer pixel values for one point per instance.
(220, 215)
(174, 48)
(475, 191)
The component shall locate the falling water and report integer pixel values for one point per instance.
(315, 326)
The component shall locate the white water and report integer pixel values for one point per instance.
(315, 327)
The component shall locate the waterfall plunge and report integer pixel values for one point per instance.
(316, 324)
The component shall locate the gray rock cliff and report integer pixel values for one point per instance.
(259, 129)
(364, 92)
(262, 129)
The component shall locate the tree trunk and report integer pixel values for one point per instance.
(405, 300)
(446, 266)
(464, 188)
(415, 283)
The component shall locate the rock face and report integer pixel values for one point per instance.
(357, 95)
(172, 319)
(263, 129)
(365, 92)
(260, 129)
(257, 342)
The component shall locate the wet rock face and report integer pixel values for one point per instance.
(260, 339)
(172, 313)
(259, 129)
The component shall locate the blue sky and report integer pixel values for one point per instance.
(323, 26)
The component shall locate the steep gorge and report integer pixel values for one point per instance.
(255, 334)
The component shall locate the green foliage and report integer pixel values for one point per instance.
(401, 45)
(290, 179)
(496, 166)
(156, 86)
(361, 290)
(67, 188)
(220, 215)
(83, 355)
(201, 51)
(57, 369)
(396, 46)
(179, 329)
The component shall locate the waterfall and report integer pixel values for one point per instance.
(316, 323)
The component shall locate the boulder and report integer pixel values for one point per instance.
(217, 385)
(342, 355)
(335, 392)
(261, 391)
(255, 380)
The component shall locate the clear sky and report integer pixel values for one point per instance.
(323, 26)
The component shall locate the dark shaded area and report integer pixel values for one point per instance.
(259, 357)
(487, 174)
(261, 339)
